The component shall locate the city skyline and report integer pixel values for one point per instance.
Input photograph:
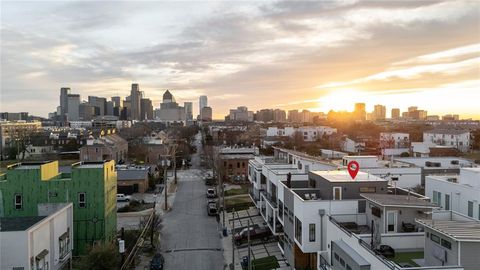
(318, 55)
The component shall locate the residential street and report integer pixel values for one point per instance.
(190, 238)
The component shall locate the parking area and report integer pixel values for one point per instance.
(259, 248)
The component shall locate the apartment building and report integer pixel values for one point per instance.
(43, 241)
(90, 186)
(457, 192)
(308, 133)
(459, 139)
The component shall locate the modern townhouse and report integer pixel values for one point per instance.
(398, 173)
(458, 192)
(43, 241)
(437, 165)
(459, 139)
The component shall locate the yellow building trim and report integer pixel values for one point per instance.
(49, 170)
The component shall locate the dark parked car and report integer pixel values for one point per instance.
(211, 193)
(157, 262)
(212, 209)
(255, 233)
(386, 251)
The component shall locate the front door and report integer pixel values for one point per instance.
(391, 221)
(337, 193)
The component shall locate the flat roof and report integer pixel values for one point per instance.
(132, 174)
(344, 176)
(398, 200)
(13, 224)
(467, 230)
(237, 156)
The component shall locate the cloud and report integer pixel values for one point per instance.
(259, 54)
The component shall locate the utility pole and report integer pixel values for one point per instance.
(165, 182)
(233, 239)
(174, 156)
(248, 239)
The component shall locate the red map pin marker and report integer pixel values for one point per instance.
(353, 168)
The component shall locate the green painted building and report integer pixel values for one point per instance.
(91, 187)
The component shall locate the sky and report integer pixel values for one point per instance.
(316, 55)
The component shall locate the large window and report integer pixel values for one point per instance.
(435, 238)
(18, 201)
(280, 210)
(311, 232)
(298, 230)
(437, 198)
(447, 202)
(446, 244)
(368, 189)
(82, 200)
(470, 208)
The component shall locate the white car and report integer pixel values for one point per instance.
(123, 198)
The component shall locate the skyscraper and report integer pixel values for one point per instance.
(188, 110)
(73, 105)
(395, 113)
(135, 99)
(64, 92)
(202, 102)
(379, 112)
(360, 112)
(146, 109)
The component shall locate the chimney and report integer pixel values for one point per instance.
(289, 180)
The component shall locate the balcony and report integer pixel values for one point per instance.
(272, 200)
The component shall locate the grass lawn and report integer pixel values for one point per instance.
(266, 263)
(406, 257)
(474, 155)
(237, 191)
(239, 203)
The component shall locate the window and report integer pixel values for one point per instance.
(311, 232)
(337, 193)
(82, 200)
(470, 208)
(447, 202)
(63, 242)
(342, 262)
(280, 209)
(337, 257)
(362, 205)
(435, 238)
(446, 244)
(368, 189)
(18, 202)
(348, 267)
(437, 198)
(238, 164)
(243, 164)
(298, 230)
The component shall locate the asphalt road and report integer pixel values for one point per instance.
(190, 238)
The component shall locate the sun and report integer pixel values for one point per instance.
(341, 100)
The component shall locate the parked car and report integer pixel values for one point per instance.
(157, 262)
(210, 181)
(212, 209)
(211, 193)
(123, 198)
(255, 233)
